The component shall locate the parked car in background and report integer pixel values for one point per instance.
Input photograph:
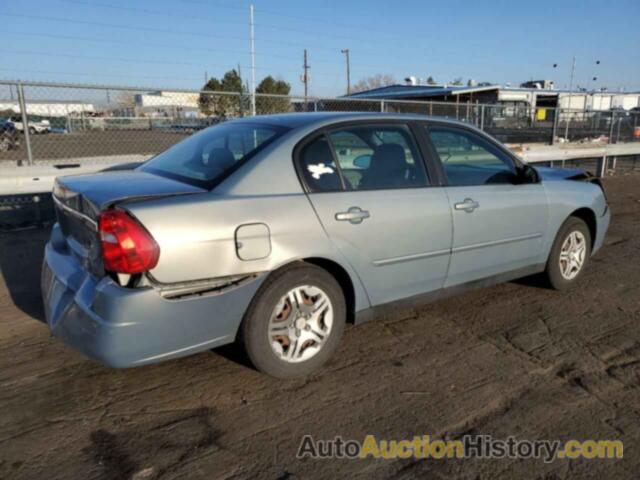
(35, 126)
(278, 230)
(8, 135)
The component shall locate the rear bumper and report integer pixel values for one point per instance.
(125, 327)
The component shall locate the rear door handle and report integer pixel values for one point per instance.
(354, 215)
(468, 205)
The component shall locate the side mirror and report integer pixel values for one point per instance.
(527, 174)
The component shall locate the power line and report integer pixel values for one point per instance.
(236, 22)
(173, 46)
(138, 28)
(116, 42)
(146, 11)
(120, 26)
(135, 60)
(97, 74)
(98, 57)
(282, 15)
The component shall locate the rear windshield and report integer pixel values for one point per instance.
(207, 157)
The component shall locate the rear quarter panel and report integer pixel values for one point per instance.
(197, 233)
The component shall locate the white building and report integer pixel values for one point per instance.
(167, 104)
(49, 108)
(536, 94)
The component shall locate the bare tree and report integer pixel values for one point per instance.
(125, 99)
(374, 81)
(125, 102)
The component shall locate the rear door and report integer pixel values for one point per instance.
(498, 222)
(370, 189)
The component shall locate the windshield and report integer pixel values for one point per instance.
(206, 158)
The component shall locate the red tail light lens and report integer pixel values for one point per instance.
(127, 247)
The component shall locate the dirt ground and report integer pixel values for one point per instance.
(516, 359)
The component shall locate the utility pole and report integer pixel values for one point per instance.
(305, 76)
(573, 70)
(253, 62)
(346, 53)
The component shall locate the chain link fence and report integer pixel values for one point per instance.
(81, 124)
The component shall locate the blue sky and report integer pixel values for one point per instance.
(171, 43)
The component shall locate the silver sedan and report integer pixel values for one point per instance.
(276, 231)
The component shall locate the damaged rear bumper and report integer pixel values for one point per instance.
(124, 327)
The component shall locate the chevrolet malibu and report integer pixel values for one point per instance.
(276, 231)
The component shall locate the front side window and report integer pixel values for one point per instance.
(468, 159)
(208, 156)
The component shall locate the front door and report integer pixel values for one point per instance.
(498, 222)
(369, 188)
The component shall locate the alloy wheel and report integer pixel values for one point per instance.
(572, 255)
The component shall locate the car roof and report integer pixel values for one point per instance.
(296, 120)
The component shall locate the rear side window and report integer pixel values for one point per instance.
(469, 159)
(318, 168)
(210, 155)
(369, 157)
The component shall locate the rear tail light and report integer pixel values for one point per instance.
(127, 247)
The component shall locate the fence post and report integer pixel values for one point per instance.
(382, 106)
(618, 131)
(602, 167)
(482, 117)
(25, 124)
(613, 121)
(554, 129)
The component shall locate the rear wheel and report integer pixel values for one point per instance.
(569, 255)
(295, 322)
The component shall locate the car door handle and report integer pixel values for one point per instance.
(468, 205)
(354, 215)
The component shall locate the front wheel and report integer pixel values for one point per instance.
(295, 322)
(569, 255)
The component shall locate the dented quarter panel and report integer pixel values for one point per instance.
(199, 242)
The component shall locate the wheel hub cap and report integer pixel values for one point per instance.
(300, 323)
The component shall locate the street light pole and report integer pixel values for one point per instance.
(346, 53)
(573, 70)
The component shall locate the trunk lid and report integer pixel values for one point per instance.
(79, 199)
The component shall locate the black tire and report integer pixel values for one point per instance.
(254, 331)
(32, 130)
(553, 271)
